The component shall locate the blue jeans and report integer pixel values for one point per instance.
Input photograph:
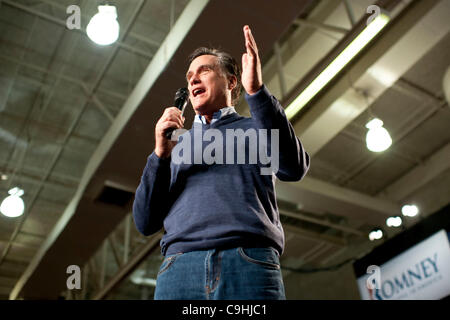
(231, 274)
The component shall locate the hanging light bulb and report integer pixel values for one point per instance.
(394, 222)
(13, 206)
(375, 234)
(410, 210)
(103, 28)
(377, 138)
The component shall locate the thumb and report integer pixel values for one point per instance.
(244, 59)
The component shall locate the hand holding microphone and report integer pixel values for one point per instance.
(171, 120)
(181, 100)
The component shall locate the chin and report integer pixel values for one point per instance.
(199, 109)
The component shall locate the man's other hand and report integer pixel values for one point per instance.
(171, 118)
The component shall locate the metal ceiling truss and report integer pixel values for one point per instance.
(56, 156)
(62, 23)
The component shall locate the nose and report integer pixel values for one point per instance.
(194, 79)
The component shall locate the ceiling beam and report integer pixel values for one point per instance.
(416, 92)
(67, 78)
(303, 217)
(33, 171)
(304, 258)
(311, 235)
(420, 175)
(320, 26)
(48, 129)
(29, 177)
(125, 270)
(329, 190)
(23, 245)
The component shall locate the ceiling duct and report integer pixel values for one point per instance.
(115, 194)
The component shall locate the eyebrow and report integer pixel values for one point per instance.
(201, 67)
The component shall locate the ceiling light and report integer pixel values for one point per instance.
(410, 210)
(138, 277)
(337, 64)
(377, 138)
(375, 234)
(103, 28)
(446, 85)
(394, 222)
(13, 206)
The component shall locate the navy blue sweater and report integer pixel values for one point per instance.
(204, 206)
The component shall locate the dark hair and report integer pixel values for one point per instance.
(228, 65)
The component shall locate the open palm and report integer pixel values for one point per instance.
(251, 64)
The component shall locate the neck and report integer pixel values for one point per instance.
(209, 115)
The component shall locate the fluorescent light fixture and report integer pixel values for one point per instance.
(103, 28)
(410, 210)
(337, 65)
(13, 206)
(377, 138)
(394, 222)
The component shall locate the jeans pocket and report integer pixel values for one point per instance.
(167, 262)
(261, 256)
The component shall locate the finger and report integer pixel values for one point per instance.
(249, 37)
(172, 110)
(168, 125)
(251, 50)
(247, 40)
(252, 39)
(246, 37)
(174, 118)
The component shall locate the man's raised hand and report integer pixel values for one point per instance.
(251, 64)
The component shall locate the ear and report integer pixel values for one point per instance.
(232, 81)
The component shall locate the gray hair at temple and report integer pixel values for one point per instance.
(227, 64)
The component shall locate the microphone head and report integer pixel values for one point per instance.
(182, 93)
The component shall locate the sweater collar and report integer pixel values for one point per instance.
(216, 116)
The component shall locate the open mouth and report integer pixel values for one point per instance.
(197, 92)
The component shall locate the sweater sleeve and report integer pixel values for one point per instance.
(266, 110)
(152, 195)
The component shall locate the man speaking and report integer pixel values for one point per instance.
(223, 236)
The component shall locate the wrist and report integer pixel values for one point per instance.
(162, 154)
(254, 90)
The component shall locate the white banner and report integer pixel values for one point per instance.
(420, 273)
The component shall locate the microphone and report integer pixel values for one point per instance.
(181, 100)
